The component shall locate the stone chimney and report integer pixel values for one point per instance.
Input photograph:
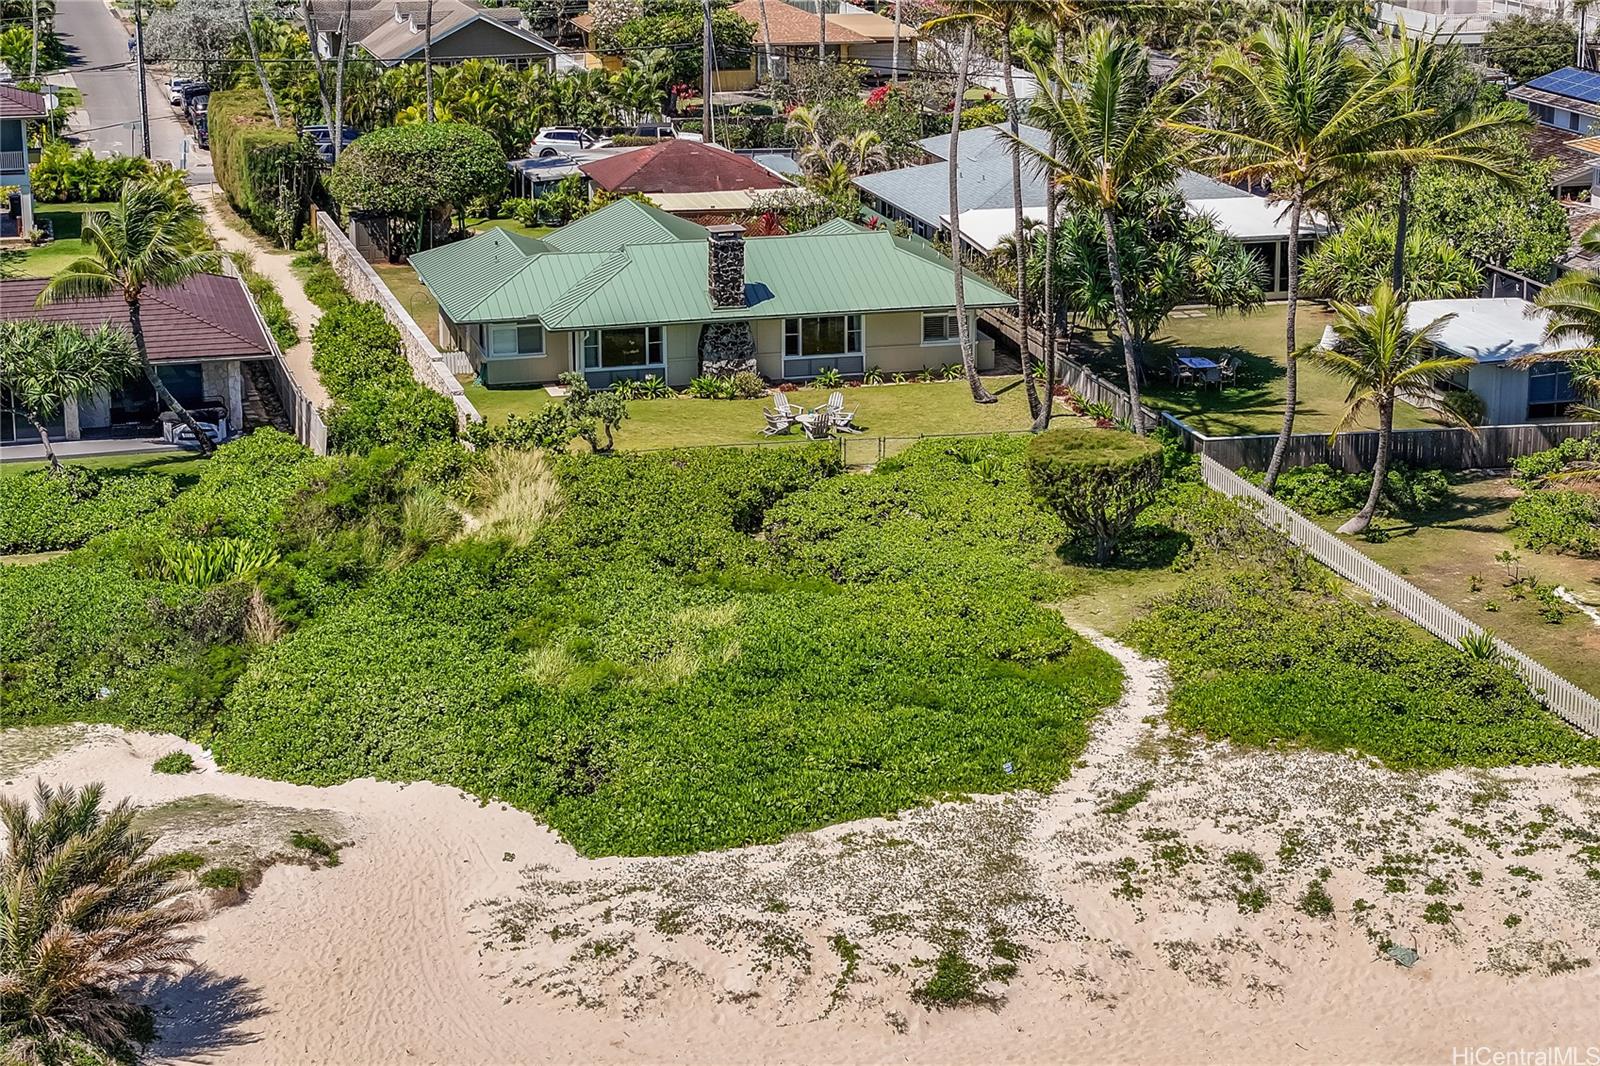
(725, 266)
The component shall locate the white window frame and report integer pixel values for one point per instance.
(655, 343)
(493, 330)
(855, 331)
(952, 337)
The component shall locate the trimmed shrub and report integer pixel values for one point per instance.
(377, 399)
(263, 168)
(1096, 480)
(40, 511)
(404, 171)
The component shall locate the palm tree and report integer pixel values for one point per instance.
(152, 237)
(1384, 359)
(84, 910)
(865, 153)
(969, 362)
(255, 61)
(1307, 115)
(1572, 303)
(804, 126)
(1109, 134)
(44, 365)
(1003, 16)
(1447, 124)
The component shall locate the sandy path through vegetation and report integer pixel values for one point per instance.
(1150, 908)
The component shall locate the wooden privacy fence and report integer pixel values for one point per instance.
(1443, 449)
(1561, 696)
(1074, 375)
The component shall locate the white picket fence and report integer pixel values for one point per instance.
(1557, 693)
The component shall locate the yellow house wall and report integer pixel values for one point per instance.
(893, 343)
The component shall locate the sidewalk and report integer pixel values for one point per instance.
(272, 263)
(77, 449)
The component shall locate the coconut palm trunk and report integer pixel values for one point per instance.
(33, 63)
(1119, 299)
(894, 52)
(822, 31)
(1402, 212)
(319, 67)
(44, 439)
(766, 47)
(255, 61)
(1280, 450)
(1015, 119)
(427, 59)
(1380, 468)
(1041, 421)
(164, 394)
(969, 361)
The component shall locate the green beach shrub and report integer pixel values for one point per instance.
(174, 762)
(377, 399)
(40, 511)
(1322, 490)
(228, 878)
(1564, 521)
(1096, 480)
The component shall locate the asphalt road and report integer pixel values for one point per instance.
(98, 46)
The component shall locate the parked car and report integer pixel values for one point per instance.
(202, 132)
(195, 108)
(553, 140)
(175, 89)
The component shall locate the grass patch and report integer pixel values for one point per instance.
(66, 221)
(174, 762)
(908, 410)
(1123, 802)
(316, 845)
(182, 860)
(222, 877)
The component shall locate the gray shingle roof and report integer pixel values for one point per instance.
(984, 172)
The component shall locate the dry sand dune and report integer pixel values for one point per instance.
(1149, 910)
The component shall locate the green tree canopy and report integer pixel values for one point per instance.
(1350, 264)
(1096, 480)
(405, 170)
(678, 25)
(1527, 46)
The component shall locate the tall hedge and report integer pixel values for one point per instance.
(263, 168)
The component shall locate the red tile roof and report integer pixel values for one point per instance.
(680, 166)
(208, 317)
(792, 27)
(19, 103)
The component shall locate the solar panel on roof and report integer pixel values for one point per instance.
(1572, 82)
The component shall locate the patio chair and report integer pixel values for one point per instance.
(818, 424)
(1182, 375)
(783, 419)
(1227, 372)
(842, 420)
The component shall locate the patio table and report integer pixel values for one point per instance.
(1197, 362)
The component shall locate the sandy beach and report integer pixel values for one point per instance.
(1156, 907)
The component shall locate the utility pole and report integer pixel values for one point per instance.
(138, 52)
(894, 62)
(707, 66)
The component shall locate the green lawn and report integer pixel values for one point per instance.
(182, 467)
(66, 220)
(1442, 552)
(906, 410)
(478, 225)
(412, 294)
(1255, 404)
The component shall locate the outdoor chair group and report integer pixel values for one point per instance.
(818, 423)
(1186, 368)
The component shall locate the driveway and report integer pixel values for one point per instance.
(98, 45)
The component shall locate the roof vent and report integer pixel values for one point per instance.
(725, 266)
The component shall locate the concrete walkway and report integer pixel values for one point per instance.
(272, 263)
(78, 449)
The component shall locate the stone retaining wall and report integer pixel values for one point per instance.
(431, 367)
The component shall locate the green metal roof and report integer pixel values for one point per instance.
(835, 226)
(833, 269)
(620, 224)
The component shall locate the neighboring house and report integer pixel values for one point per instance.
(18, 109)
(392, 32)
(1566, 99)
(201, 335)
(687, 178)
(631, 291)
(919, 196)
(1496, 333)
(1575, 158)
(856, 35)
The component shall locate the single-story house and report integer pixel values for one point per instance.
(1565, 99)
(854, 34)
(919, 196)
(393, 32)
(201, 335)
(631, 291)
(18, 108)
(1497, 334)
(687, 178)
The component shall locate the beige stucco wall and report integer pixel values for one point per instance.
(893, 342)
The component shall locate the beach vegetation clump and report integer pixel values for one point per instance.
(174, 762)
